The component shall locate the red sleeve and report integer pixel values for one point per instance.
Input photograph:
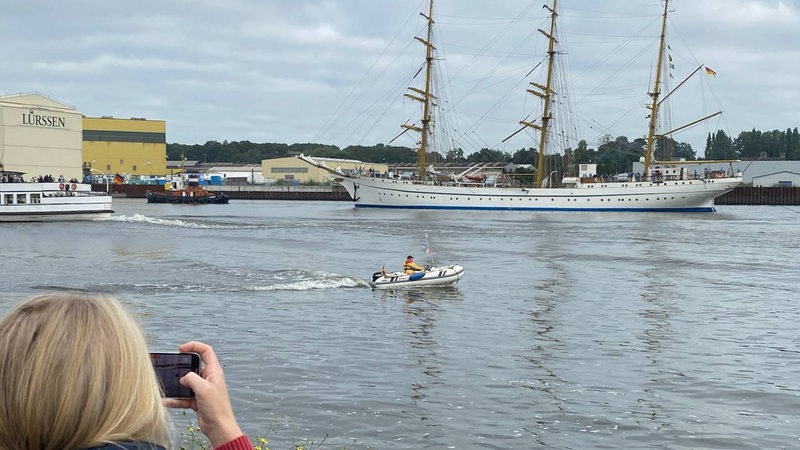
(240, 443)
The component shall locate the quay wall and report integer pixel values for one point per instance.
(760, 195)
(243, 192)
(742, 195)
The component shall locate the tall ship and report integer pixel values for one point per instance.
(661, 186)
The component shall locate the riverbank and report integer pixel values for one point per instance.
(742, 195)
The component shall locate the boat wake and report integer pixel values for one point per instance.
(218, 282)
(56, 288)
(140, 218)
(303, 280)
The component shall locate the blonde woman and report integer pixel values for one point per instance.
(75, 374)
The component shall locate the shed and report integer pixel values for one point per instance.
(783, 178)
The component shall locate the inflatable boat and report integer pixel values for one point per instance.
(431, 276)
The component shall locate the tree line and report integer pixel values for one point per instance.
(613, 155)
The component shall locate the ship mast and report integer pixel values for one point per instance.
(424, 96)
(545, 93)
(651, 129)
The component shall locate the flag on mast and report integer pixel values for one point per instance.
(428, 250)
(709, 71)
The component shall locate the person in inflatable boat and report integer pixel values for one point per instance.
(410, 266)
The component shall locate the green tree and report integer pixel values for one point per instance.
(792, 144)
(617, 156)
(583, 154)
(455, 155)
(525, 156)
(748, 144)
(720, 146)
(489, 155)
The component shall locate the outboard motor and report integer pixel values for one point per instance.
(376, 275)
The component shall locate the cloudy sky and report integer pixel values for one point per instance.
(334, 71)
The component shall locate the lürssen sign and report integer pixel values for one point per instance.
(39, 120)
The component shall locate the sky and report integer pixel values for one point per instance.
(334, 71)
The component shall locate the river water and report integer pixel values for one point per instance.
(568, 331)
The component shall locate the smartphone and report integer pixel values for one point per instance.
(170, 367)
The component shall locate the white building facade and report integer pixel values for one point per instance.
(40, 136)
(783, 178)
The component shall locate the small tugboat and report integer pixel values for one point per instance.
(430, 276)
(193, 193)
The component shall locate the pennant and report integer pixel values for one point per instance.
(710, 72)
(428, 251)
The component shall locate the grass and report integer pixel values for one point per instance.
(191, 438)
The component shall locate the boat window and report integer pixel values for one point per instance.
(8, 199)
(21, 198)
(36, 198)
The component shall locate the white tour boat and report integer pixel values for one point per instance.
(662, 185)
(50, 201)
(441, 275)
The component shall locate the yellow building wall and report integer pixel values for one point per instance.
(125, 146)
(131, 158)
(291, 168)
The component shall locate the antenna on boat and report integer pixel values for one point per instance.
(424, 95)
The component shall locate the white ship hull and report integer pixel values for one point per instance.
(40, 202)
(432, 276)
(694, 195)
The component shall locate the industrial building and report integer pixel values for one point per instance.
(131, 147)
(296, 170)
(43, 136)
(40, 136)
(784, 178)
(760, 172)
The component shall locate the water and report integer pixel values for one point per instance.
(569, 330)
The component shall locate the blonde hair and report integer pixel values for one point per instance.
(75, 372)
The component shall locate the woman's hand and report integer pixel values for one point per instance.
(212, 404)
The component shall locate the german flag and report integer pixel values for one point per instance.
(710, 72)
(118, 179)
